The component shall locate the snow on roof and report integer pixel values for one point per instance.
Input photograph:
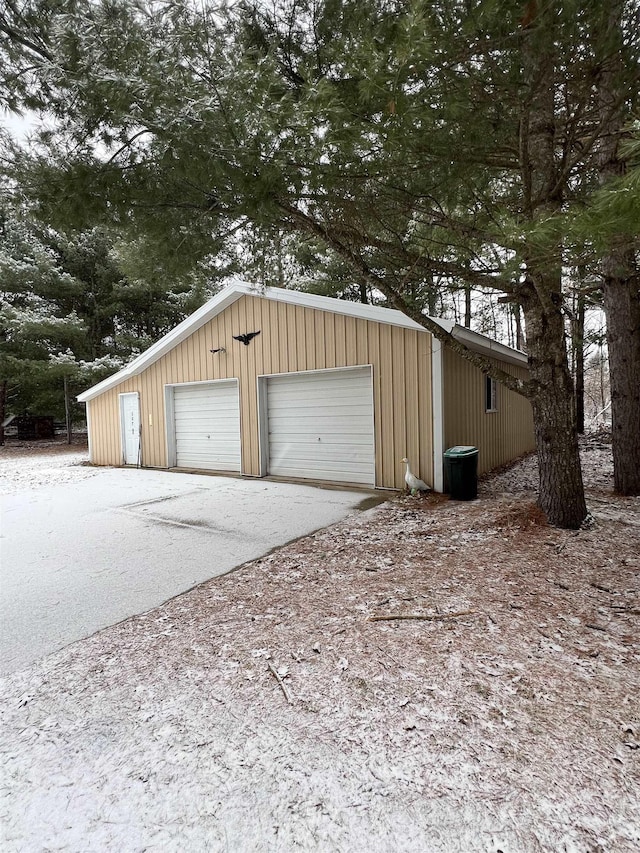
(237, 289)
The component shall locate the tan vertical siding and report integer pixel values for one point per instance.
(500, 436)
(283, 352)
(351, 343)
(293, 338)
(272, 365)
(309, 337)
(362, 349)
(372, 345)
(340, 340)
(319, 337)
(290, 340)
(329, 340)
(413, 425)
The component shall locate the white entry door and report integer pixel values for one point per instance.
(321, 425)
(207, 425)
(130, 426)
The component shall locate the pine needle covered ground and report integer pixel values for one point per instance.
(494, 706)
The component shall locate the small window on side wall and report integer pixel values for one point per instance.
(490, 394)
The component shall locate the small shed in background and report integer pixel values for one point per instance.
(33, 427)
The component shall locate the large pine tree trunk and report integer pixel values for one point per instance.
(578, 358)
(561, 494)
(620, 270)
(520, 341)
(622, 308)
(561, 491)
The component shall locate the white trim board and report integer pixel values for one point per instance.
(437, 406)
(87, 409)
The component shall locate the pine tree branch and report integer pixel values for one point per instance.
(128, 144)
(587, 146)
(307, 224)
(14, 35)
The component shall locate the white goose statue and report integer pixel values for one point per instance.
(414, 484)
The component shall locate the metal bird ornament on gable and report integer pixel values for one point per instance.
(246, 338)
(414, 484)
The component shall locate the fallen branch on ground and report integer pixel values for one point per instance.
(425, 617)
(283, 686)
(603, 588)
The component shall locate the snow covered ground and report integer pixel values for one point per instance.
(33, 471)
(424, 676)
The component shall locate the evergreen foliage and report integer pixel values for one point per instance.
(415, 147)
(68, 310)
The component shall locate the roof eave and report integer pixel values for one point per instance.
(237, 289)
(182, 331)
(490, 348)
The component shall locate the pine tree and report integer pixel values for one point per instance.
(427, 146)
(618, 84)
(69, 315)
(33, 328)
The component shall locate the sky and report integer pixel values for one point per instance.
(19, 126)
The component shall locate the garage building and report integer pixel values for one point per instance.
(327, 390)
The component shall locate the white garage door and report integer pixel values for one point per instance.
(207, 426)
(321, 426)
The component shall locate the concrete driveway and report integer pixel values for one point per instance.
(80, 556)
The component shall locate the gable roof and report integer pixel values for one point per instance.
(237, 289)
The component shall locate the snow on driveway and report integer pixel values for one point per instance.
(83, 547)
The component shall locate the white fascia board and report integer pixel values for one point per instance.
(376, 313)
(181, 332)
(488, 347)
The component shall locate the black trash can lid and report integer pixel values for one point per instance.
(461, 450)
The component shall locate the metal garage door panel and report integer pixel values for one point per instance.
(207, 426)
(321, 426)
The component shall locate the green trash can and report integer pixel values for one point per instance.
(461, 472)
